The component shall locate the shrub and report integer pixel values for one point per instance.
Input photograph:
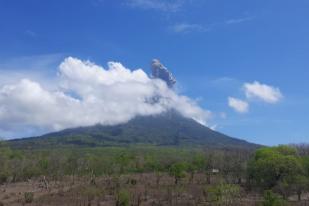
(271, 199)
(29, 196)
(178, 171)
(123, 198)
(91, 192)
(3, 177)
(224, 194)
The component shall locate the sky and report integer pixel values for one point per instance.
(242, 67)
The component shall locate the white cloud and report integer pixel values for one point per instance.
(239, 20)
(266, 93)
(186, 28)
(238, 105)
(86, 94)
(161, 5)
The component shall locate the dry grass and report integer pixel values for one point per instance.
(142, 190)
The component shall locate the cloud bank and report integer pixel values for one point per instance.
(88, 94)
(266, 93)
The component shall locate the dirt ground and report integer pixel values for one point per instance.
(14, 193)
(144, 190)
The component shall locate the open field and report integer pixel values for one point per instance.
(139, 189)
(146, 175)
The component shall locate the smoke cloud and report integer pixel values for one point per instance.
(161, 72)
(88, 94)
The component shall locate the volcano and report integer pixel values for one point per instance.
(167, 129)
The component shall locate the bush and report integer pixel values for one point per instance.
(29, 196)
(224, 194)
(123, 198)
(271, 199)
(178, 171)
(3, 177)
(92, 192)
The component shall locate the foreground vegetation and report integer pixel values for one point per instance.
(145, 175)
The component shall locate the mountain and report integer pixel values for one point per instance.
(168, 129)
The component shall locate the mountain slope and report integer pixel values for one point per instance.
(168, 129)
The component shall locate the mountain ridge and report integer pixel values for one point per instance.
(167, 129)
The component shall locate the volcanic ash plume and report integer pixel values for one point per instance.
(159, 71)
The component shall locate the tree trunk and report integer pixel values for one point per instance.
(158, 179)
(192, 177)
(239, 180)
(208, 179)
(176, 180)
(299, 195)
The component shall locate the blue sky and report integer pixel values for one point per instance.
(212, 47)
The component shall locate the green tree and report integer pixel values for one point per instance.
(178, 171)
(300, 185)
(5, 153)
(123, 160)
(152, 163)
(43, 165)
(123, 198)
(275, 168)
(305, 163)
(271, 199)
(71, 167)
(197, 164)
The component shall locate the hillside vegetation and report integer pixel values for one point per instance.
(168, 129)
(148, 175)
